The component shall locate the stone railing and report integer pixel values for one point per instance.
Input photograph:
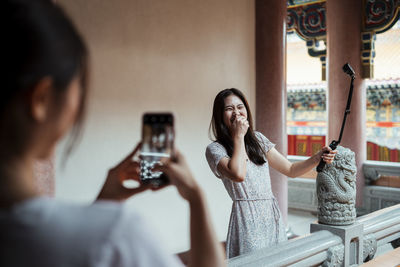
(380, 228)
(308, 250)
(327, 247)
(379, 197)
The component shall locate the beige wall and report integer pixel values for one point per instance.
(156, 55)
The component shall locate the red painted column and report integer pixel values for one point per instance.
(344, 25)
(271, 85)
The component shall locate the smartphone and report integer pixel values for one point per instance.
(157, 143)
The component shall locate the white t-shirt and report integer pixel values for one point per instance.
(45, 232)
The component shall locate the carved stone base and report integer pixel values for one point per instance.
(352, 237)
(336, 189)
(336, 213)
(335, 256)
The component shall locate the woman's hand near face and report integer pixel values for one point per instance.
(235, 167)
(239, 126)
(127, 169)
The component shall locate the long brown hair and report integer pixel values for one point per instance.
(221, 132)
(41, 42)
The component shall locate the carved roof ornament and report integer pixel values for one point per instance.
(308, 19)
(379, 16)
(292, 3)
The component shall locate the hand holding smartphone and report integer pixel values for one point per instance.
(157, 143)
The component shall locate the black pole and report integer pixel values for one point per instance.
(333, 145)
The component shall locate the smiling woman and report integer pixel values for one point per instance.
(226, 114)
(241, 157)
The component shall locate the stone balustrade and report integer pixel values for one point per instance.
(327, 249)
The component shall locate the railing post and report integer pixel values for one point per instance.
(352, 238)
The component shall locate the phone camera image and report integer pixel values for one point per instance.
(146, 173)
(157, 143)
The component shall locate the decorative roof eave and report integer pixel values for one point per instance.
(370, 84)
(379, 16)
(296, 3)
(312, 96)
(308, 20)
(383, 83)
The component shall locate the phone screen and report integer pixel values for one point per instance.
(157, 143)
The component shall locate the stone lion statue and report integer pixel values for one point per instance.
(336, 189)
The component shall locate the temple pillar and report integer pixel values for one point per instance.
(271, 85)
(344, 25)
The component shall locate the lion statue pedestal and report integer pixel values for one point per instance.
(336, 191)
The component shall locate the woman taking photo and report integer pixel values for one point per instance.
(43, 97)
(241, 157)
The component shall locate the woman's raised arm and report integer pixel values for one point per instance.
(284, 166)
(234, 168)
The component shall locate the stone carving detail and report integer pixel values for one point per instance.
(336, 189)
(369, 247)
(335, 256)
(380, 14)
(309, 21)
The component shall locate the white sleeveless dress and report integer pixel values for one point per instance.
(255, 221)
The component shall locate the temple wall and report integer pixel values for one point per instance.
(155, 55)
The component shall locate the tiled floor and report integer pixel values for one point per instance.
(299, 223)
